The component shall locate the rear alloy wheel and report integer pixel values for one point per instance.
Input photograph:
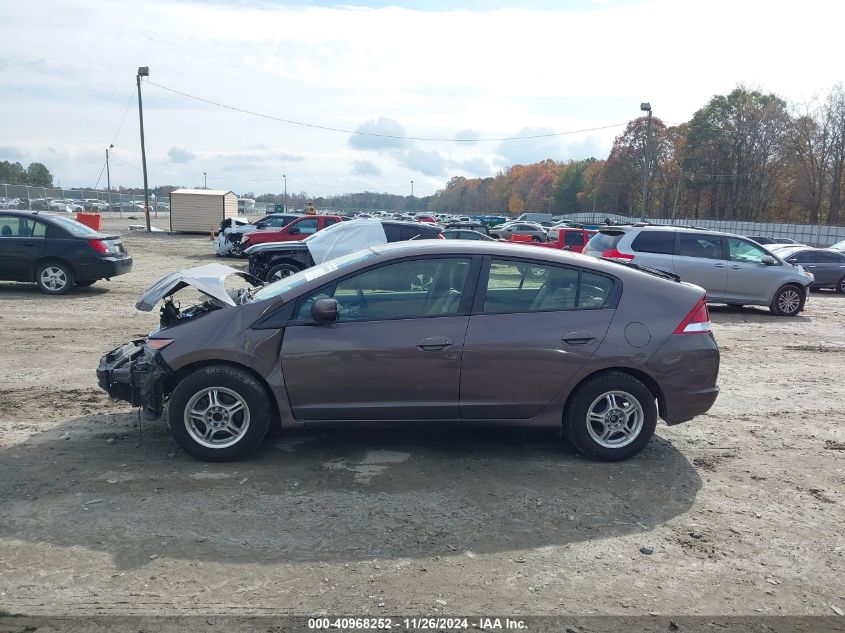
(281, 271)
(54, 278)
(611, 417)
(788, 301)
(840, 286)
(219, 413)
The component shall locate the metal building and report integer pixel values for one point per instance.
(200, 210)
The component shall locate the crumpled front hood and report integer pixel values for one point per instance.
(209, 279)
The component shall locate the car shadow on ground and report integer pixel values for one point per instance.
(726, 314)
(329, 495)
(9, 290)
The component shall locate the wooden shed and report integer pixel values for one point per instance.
(198, 210)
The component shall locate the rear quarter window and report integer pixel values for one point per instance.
(662, 242)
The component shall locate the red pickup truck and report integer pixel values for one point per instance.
(569, 239)
(297, 230)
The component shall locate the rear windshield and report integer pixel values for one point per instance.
(73, 227)
(604, 241)
(655, 242)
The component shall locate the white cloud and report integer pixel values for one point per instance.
(365, 168)
(341, 66)
(379, 134)
(179, 155)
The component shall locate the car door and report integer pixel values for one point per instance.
(394, 352)
(699, 259)
(827, 267)
(21, 244)
(533, 326)
(749, 278)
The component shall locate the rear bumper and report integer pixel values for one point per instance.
(134, 373)
(104, 268)
(686, 367)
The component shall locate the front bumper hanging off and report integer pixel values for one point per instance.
(134, 373)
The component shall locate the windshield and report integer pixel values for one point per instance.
(309, 274)
(73, 226)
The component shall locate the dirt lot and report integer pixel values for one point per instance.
(742, 509)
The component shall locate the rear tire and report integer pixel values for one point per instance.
(219, 413)
(280, 271)
(611, 417)
(54, 278)
(789, 301)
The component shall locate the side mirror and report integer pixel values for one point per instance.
(294, 230)
(769, 260)
(324, 311)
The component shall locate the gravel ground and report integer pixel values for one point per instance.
(739, 512)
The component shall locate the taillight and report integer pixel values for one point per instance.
(697, 321)
(158, 343)
(100, 246)
(616, 255)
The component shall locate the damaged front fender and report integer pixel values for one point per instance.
(135, 373)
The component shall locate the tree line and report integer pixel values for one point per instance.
(36, 174)
(743, 156)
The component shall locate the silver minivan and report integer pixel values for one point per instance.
(731, 268)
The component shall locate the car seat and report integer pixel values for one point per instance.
(6, 231)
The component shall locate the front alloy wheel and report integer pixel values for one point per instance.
(219, 413)
(788, 301)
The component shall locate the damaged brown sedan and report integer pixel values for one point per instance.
(424, 332)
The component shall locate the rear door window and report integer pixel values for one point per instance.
(524, 286)
(700, 245)
(662, 242)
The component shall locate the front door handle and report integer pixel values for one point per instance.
(29, 244)
(434, 343)
(736, 267)
(578, 338)
(720, 265)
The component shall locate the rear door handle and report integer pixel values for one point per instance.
(434, 343)
(578, 338)
(720, 265)
(736, 267)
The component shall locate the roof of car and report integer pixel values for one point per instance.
(667, 227)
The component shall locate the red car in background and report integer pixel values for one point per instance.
(428, 219)
(297, 230)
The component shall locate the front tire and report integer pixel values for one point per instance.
(611, 417)
(54, 278)
(788, 301)
(281, 271)
(219, 413)
(840, 286)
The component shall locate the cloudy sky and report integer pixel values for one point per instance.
(465, 72)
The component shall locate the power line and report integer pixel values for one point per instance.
(376, 134)
(117, 134)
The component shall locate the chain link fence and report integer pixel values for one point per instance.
(810, 234)
(122, 204)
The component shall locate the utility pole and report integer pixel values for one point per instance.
(108, 173)
(143, 71)
(646, 107)
(204, 181)
(412, 188)
(595, 193)
(285, 176)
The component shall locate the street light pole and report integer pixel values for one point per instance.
(412, 188)
(143, 71)
(204, 181)
(285, 176)
(646, 107)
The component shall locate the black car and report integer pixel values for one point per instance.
(57, 252)
(466, 234)
(274, 260)
(827, 266)
(469, 226)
